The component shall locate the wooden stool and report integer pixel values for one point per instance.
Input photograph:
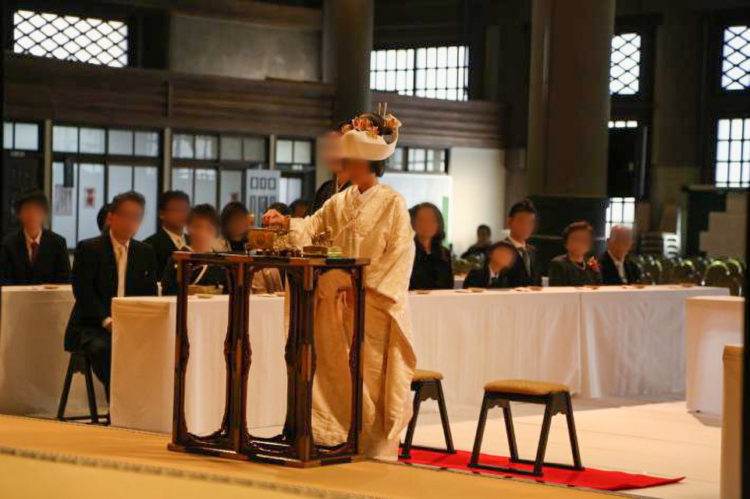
(80, 363)
(427, 385)
(556, 399)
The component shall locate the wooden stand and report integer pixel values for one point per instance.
(295, 447)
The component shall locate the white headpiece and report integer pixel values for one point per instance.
(361, 139)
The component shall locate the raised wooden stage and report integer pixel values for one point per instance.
(40, 458)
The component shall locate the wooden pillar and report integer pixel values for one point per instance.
(347, 42)
(568, 115)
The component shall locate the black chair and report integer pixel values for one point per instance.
(427, 385)
(80, 363)
(556, 399)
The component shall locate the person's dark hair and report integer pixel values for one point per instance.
(298, 202)
(437, 240)
(101, 216)
(231, 210)
(206, 212)
(132, 196)
(524, 206)
(169, 196)
(281, 208)
(33, 197)
(501, 244)
(485, 228)
(577, 226)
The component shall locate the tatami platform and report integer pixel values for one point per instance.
(49, 459)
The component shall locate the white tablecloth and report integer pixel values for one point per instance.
(143, 352)
(633, 340)
(32, 360)
(711, 322)
(473, 338)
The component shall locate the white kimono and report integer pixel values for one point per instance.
(372, 225)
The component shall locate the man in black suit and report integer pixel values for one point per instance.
(496, 272)
(32, 254)
(522, 222)
(174, 208)
(105, 267)
(615, 266)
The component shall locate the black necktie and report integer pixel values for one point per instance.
(526, 260)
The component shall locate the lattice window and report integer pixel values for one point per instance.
(70, 38)
(434, 72)
(625, 64)
(735, 64)
(733, 153)
(621, 211)
(623, 124)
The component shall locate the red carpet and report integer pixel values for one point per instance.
(588, 478)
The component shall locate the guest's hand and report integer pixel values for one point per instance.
(273, 218)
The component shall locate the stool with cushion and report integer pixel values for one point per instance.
(80, 363)
(556, 399)
(427, 385)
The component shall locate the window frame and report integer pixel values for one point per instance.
(218, 164)
(405, 160)
(718, 103)
(465, 90)
(106, 160)
(308, 172)
(127, 16)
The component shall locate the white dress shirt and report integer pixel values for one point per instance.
(177, 239)
(620, 266)
(121, 262)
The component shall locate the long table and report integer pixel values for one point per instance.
(32, 359)
(617, 341)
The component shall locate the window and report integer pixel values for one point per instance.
(735, 61)
(733, 153)
(90, 166)
(71, 38)
(420, 160)
(621, 211)
(20, 136)
(295, 159)
(623, 124)
(625, 64)
(214, 169)
(434, 72)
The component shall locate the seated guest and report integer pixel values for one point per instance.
(202, 229)
(281, 208)
(479, 248)
(331, 155)
(496, 272)
(615, 265)
(522, 222)
(32, 254)
(432, 262)
(174, 207)
(235, 223)
(299, 208)
(574, 268)
(108, 266)
(101, 218)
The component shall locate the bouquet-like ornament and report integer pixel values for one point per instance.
(593, 264)
(370, 136)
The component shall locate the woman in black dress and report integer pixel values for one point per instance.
(202, 228)
(234, 226)
(574, 268)
(432, 262)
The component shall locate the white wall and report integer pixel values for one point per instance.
(478, 194)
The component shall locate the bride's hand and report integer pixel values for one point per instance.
(272, 218)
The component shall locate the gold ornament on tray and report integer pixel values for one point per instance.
(271, 242)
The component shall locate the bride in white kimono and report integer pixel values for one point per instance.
(368, 220)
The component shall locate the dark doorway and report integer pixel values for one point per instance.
(626, 175)
(22, 172)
